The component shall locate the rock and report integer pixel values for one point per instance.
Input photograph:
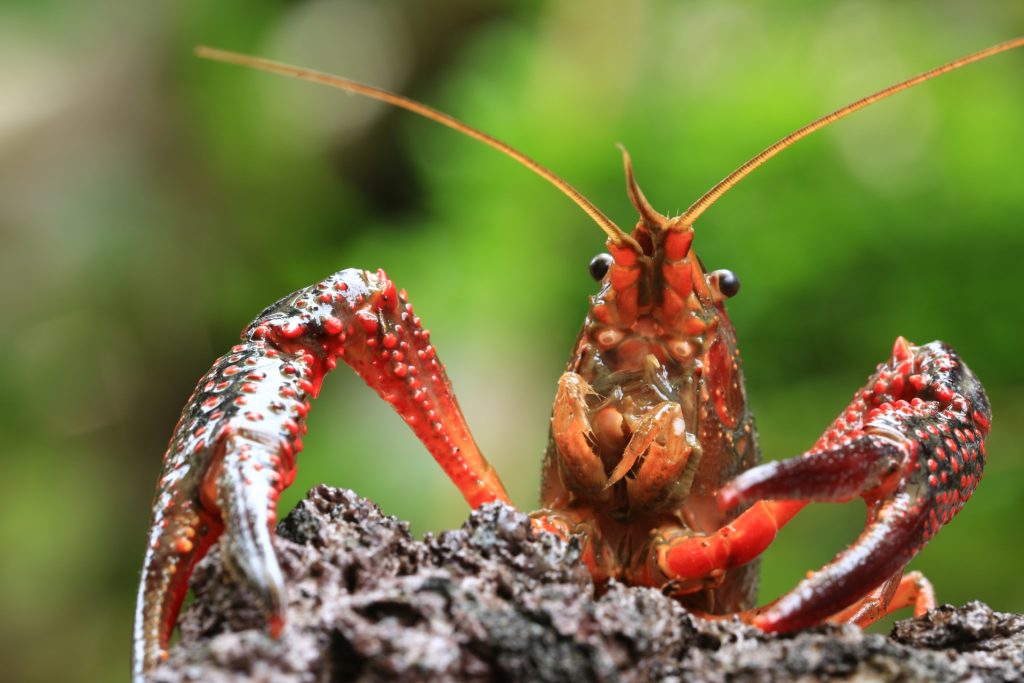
(492, 601)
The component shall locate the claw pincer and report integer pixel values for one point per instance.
(911, 444)
(232, 453)
(233, 450)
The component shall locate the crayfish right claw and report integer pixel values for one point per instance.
(882, 550)
(248, 505)
(838, 473)
(912, 445)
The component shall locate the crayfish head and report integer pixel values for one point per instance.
(656, 298)
(658, 366)
(658, 339)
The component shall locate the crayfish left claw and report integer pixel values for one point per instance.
(843, 471)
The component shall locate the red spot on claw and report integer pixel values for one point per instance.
(332, 325)
(291, 330)
(389, 295)
(367, 320)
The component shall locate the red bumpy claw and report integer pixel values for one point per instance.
(911, 444)
(233, 450)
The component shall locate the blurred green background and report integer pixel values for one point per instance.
(151, 204)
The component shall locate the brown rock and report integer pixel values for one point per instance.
(491, 601)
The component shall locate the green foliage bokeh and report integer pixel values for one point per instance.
(151, 204)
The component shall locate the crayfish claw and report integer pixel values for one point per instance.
(911, 445)
(248, 505)
(839, 473)
(181, 535)
(884, 547)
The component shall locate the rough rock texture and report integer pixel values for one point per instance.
(492, 602)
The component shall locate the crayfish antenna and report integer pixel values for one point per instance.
(730, 181)
(614, 232)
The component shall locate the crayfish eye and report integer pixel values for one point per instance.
(599, 266)
(726, 282)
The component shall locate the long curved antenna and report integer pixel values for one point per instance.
(617, 236)
(712, 195)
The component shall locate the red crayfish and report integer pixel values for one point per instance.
(652, 462)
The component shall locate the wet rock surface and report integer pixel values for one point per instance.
(491, 601)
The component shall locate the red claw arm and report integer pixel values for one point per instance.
(233, 450)
(911, 444)
(691, 560)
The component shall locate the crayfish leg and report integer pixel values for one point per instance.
(581, 469)
(899, 591)
(578, 524)
(694, 561)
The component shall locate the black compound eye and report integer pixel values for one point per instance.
(599, 266)
(728, 283)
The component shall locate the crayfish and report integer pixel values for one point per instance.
(652, 459)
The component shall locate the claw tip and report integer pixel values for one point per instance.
(901, 349)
